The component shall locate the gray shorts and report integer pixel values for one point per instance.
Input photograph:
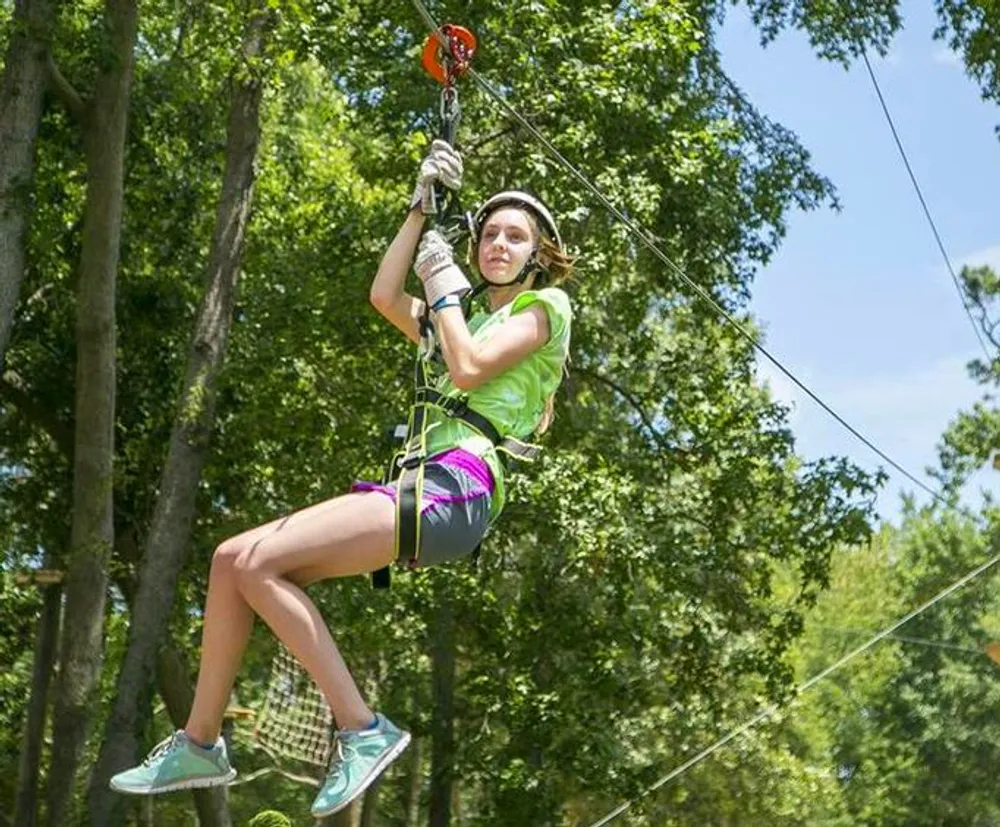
(454, 512)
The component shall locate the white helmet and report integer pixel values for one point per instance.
(516, 198)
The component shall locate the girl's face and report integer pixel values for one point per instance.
(506, 243)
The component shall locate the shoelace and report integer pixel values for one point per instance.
(342, 753)
(161, 749)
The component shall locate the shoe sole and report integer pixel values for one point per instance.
(379, 768)
(188, 784)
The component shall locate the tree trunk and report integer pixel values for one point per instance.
(26, 808)
(348, 817)
(169, 534)
(21, 94)
(369, 806)
(412, 806)
(173, 681)
(92, 529)
(443, 716)
(456, 802)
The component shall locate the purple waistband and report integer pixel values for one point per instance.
(458, 458)
(468, 462)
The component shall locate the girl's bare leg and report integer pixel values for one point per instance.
(263, 570)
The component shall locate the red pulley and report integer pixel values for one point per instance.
(441, 65)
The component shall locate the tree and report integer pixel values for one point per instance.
(102, 121)
(973, 439)
(28, 769)
(907, 728)
(169, 533)
(24, 78)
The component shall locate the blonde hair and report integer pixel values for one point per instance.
(555, 263)
(548, 415)
(555, 268)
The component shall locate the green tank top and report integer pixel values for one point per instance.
(514, 401)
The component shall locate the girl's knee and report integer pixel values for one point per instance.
(225, 557)
(248, 566)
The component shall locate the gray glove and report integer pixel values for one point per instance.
(436, 268)
(441, 165)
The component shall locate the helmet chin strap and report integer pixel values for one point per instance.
(530, 266)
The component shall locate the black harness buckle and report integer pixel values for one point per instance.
(454, 406)
(412, 460)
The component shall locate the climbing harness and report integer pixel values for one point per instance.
(407, 463)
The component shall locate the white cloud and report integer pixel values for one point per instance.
(946, 57)
(904, 404)
(783, 389)
(989, 256)
(908, 409)
(903, 414)
(986, 256)
(894, 58)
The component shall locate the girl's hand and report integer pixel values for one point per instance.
(436, 268)
(442, 165)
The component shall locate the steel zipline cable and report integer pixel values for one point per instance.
(927, 211)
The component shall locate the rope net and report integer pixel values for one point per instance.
(295, 720)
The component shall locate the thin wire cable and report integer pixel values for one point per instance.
(937, 644)
(798, 690)
(927, 212)
(424, 12)
(644, 238)
(920, 641)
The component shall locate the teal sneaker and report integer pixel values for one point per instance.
(177, 764)
(359, 757)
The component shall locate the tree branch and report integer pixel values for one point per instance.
(182, 31)
(534, 118)
(676, 453)
(475, 146)
(986, 324)
(65, 92)
(12, 390)
(989, 327)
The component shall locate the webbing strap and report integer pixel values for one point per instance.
(410, 495)
(524, 451)
(407, 466)
(459, 409)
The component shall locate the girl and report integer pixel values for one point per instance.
(507, 364)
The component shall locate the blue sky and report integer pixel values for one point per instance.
(859, 304)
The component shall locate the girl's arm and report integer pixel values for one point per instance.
(387, 294)
(471, 364)
(443, 165)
